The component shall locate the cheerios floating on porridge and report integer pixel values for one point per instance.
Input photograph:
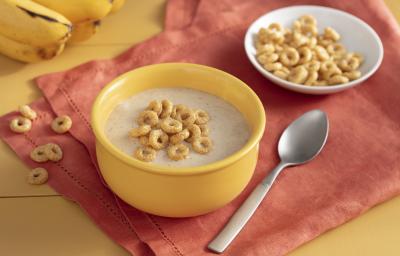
(163, 125)
(296, 54)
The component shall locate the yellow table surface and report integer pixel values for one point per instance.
(35, 220)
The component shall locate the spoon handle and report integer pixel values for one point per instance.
(245, 211)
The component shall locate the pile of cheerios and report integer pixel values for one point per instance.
(301, 56)
(45, 152)
(163, 125)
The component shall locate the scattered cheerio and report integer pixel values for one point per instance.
(20, 124)
(27, 112)
(61, 124)
(38, 176)
(46, 152)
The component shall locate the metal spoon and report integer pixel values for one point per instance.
(300, 142)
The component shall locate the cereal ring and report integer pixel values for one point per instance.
(267, 58)
(144, 140)
(202, 116)
(170, 125)
(148, 117)
(285, 69)
(328, 69)
(275, 36)
(158, 139)
(281, 74)
(27, 112)
(186, 116)
(336, 49)
(61, 124)
(337, 79)
(328, 65)
(140, 131)
(320, 83)
(202, 145)
(53, 152)
(273, 66)
(289, 57)
(313, 65)
(308, 20)
(309, 30)
(279, 48)
(288, 36)
(38, 176)
(275, 27)
(178, 152)
(265, 48)
(166, 108)
(38, 154)
(305, 55)
(177, 109)
(179, 137)
(349, 64)
(321, 53)
(312, 42)
(20, 124)
(312, 77)
(331, 34)
(146, 154)
(194, 132)
(323, 41)
(352, 75)
(299, 40)
(358, 56)
(263, 36)
(204, 130)
(155, 106)
(298, 75)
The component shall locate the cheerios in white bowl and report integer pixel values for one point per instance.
(313, 49)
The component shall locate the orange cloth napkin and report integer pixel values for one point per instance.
(358, 168)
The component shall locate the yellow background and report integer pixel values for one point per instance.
(35, 220)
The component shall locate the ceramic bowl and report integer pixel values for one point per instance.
(177, 192)
(356, 36)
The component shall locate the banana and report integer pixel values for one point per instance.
(27, 22)
(79, 10)
(84, 30)
(116, 5)
(26, 52)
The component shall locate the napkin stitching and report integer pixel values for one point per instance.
(164, 235)
(80, 184)
(74, 106)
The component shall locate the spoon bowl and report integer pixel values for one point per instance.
(304, 138)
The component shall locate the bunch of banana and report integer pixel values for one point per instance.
(34, 30)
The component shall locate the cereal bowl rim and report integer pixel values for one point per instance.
(314, 89)
(101, 138)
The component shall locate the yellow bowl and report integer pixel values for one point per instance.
(177, 192)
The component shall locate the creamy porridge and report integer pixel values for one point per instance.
(228, 129)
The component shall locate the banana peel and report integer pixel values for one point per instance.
(28, 53)
(84, 30)
(30, 23)
(78, 11)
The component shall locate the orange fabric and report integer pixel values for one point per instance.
(358, 168)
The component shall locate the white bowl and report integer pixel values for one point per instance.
(356, 35)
